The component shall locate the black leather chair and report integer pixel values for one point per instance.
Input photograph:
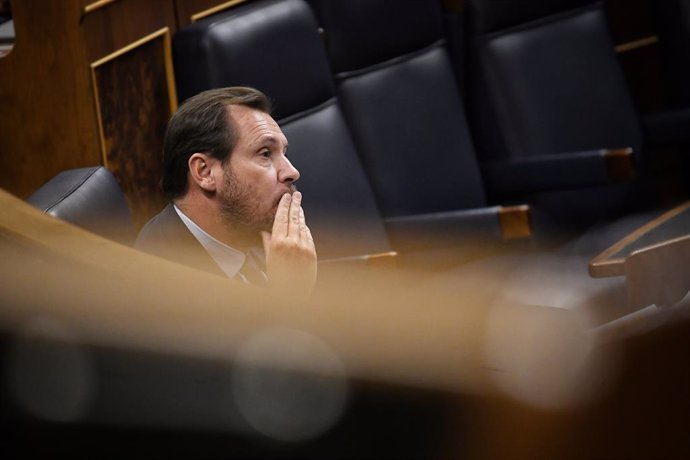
(274, 45)
(90, 198)
(552, 117)
(396, 85)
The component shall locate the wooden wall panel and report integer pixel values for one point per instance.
(135, 95)
(134, 92)
(123, 22)
(47, 121)
(190, 10)
(51, 104)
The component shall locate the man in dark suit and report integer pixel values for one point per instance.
(231, 190)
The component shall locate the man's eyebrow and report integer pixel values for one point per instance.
(272, 139)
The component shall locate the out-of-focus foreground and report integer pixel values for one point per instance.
(107, 352)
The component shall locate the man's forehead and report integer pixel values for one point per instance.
(256, 125)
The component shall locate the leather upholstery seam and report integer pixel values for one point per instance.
(301, 114)
(71, 191)
(390, 62)
(535, 23)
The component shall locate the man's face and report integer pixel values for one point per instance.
(258, 172)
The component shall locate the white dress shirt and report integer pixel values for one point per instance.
(229, 259)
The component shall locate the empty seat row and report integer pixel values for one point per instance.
(371, 153)
(372, 107)
(547, 95)
(376, 124)
(376, 119)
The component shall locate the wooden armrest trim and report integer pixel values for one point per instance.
(620, 165)
(516, 221)
(603, 265)
(368, 258)
(379, 255)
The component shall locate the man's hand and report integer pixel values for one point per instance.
(290, 251)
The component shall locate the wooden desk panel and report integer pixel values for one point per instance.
(611, 262)
(655, 260)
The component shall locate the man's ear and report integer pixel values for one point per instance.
(201, 170)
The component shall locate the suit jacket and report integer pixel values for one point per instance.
(166, 236)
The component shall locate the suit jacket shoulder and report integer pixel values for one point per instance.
(166, 236)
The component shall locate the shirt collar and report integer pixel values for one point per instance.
(229, 259)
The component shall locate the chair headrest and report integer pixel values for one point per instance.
(493, 15)
(89, 198)
(271, 45)
(361, 33)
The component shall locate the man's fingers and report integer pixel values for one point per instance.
(302, 222)
(266, 238)
(291, 262)
(305, 233)
(280, 223)
(294, 223)
(310, 240)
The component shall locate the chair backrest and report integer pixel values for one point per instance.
(399, 95)
(546, 80)
(274, 45)
(90, 198)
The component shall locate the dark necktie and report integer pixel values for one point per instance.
(252, 270)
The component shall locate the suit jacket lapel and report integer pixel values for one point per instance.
(168, 237)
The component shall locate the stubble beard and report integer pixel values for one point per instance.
(242, 208)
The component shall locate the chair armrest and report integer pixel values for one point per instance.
(667, 127)
(561, 171)
(381, 258)
(459, 228)
(89, 198)
(338, 269)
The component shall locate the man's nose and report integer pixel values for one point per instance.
(287, 172)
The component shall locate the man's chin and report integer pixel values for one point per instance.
(265, 223)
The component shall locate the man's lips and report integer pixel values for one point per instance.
(292, 189)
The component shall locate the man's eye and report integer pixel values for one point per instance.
(265, 153)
